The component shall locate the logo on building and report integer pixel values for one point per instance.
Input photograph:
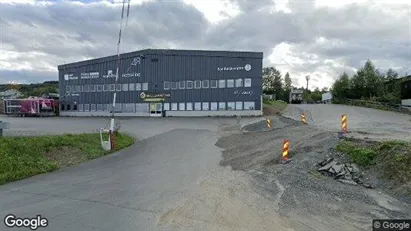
(128, 75)
(247, 67)
(90, 75)
(142, 95)
(109, 74)
(135, 61)
(70, 77)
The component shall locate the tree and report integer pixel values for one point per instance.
(324, 90)
(342, 87)
(391, 74)
(272, 81)
(287, 82)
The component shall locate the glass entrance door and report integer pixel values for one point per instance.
(156, 109)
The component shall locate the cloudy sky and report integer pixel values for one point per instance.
(320, 38)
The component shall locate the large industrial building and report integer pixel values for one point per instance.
(156, 82)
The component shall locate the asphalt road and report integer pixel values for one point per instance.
(362, 122)
(172, 177)
(125, 191)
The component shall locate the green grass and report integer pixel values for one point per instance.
(392, 159)
(22, 157)
(277, 105)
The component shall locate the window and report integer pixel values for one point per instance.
(213, 83)
(182, 85)
(99, 88)
(68, 107)
(238, 105)
(75, 107)
(166, 106)
(189, 84)
(247, 82)
(104, 107)
(138, 86)
(92, 88)
(145, 86)
(213, 106)
(197, 84)
(205, 84)
(129, 107)
(221, 83)
(174, 106)
(131, 87)
(189, 106)
(86, 107)
(118, 87)
(197, 106)
(230, 105)
(125, 86)
(93, 107)
(105, 87)
(230, 83)
(182, 106)
(80, 107)
(166, 85)
(173, 85)
(249, 106)
(141, 107)
(99, 107)
(221, 106)
(112, 87)
(206, 106)
(239, 83)
(62, 108)
(86, 88)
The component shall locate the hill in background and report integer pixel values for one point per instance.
(34, 89)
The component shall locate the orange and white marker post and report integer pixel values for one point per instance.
(286, 145)
(303, 118)
(268, 123)
(344, 127)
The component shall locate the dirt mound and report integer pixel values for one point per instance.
(299, 190)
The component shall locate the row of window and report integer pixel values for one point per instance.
(108, 87)
(198, 84)
(144, 107)
(206, 106)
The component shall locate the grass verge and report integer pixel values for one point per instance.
(273, 107)
(391, 159)
(22, 157)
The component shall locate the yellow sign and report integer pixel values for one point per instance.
(153, 99)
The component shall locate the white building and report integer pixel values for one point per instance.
(326, 97)
(10, 94)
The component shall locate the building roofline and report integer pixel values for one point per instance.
(171, 52)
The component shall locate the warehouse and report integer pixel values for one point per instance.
(156, 82)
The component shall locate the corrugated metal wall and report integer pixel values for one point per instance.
(156, 66)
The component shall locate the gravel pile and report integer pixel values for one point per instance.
(345, 173)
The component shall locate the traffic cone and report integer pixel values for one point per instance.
(284, 157)
(303, 118)
(344, 127)
(268, 123)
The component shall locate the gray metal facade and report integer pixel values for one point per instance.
(89, 85)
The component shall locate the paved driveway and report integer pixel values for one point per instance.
(123, 191)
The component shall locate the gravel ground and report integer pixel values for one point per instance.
(309, 200)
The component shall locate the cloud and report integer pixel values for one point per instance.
(320, 39)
